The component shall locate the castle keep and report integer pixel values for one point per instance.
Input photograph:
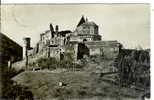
(85, 41)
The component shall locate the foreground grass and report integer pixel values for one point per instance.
(78, 85)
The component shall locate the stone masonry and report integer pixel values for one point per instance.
(85, 40)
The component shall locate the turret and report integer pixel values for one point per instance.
(27, 47)
(27, 42)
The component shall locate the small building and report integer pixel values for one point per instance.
(10, 51)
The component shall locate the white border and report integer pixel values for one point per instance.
(102, 1)
(152, 50)
(76, 1)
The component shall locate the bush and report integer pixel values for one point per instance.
(52, 63)
(134, 68)
(47, 63)
(11, 90)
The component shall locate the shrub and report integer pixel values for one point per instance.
(47, 63)
(134, 68)
(11, 90)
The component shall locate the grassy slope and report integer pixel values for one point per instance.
(79, 84)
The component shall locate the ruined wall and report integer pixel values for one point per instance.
(83, 50)
(75, 38)
(19, 64)
(95, 51)
(85, 37)
(70, 51)
(54, 52)
(108, 49)
(59, 40)
(32, 58)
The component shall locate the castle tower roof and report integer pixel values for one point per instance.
(82, 20)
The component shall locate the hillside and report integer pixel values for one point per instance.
(44, 85)
(96, 78)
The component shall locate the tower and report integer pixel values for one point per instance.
(26, 42)
(26, 47)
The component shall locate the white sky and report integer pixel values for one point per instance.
(127, 23)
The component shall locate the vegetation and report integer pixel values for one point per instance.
(10, 89)
(51, 64)
(78, 85)
(134, 68)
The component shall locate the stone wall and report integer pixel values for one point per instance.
(95, 51)
(70, 51)
(54, 52)
(108, 49)
(19, 64)
(32, 58)
(85, 37)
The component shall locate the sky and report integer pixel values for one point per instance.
(129, 24)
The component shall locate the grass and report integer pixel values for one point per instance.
(44, 85)
(88, 82)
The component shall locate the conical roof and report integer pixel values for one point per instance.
(82, 20)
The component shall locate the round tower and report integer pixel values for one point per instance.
(26, 48)
(27, 42)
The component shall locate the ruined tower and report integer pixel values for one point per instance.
(56, 30)
(26, 47)
(52, 31)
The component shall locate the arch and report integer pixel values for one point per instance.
(82, 50)
(84, 40)
(61, 56)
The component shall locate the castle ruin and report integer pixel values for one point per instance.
(84, 41)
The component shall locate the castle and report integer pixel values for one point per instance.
(85, 41)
